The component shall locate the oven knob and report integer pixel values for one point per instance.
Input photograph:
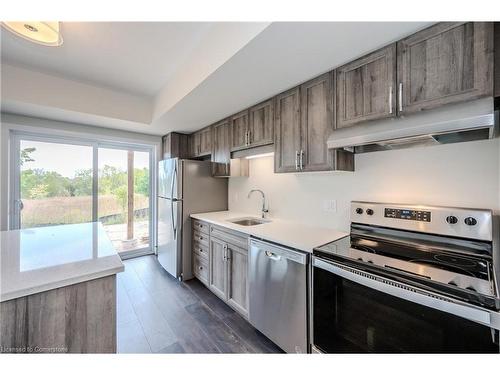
(470, 221)
(451, 219)
(359, 211)
(369, 211)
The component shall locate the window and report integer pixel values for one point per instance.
(60, 181)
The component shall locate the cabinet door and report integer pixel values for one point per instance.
(366, 88)
(261, 124)
(237, 284)
(206, 141)
(317, 123)
(167, 146)
(221, 154)
(445, 63)
(288, 131)
(217, 274)
(194, 144)
(239, 129)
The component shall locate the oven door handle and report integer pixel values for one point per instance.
(410, 293)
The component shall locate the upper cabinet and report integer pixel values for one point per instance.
(201, 143)
(288, 142)
(304, 119)
(239, 131)
(221, 155)
(175, 145)
(206, 141)
(445, 63)
(316, 107)
(260, 124)
(253, 127)
(366, 88)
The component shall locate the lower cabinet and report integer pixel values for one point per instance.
(236, 278)
(217, 278)
(224, 267)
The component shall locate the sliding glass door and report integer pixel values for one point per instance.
(59, 181)
(124, 197)
(55, 183)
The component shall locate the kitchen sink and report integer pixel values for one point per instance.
(248, 221)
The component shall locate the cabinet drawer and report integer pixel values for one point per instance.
(229, 236)
(200, 237)
(200, 269)
(200, 250)
(200, 226)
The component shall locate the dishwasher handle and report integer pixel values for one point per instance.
(277, 253)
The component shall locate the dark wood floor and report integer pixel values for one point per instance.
(156, 313)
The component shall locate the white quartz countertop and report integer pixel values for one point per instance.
(292, 234)
(39, 259)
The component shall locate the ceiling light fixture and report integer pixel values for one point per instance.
(44, 33)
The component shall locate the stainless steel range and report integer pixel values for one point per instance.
(408, 278)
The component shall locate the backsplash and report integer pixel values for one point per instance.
(462, 174)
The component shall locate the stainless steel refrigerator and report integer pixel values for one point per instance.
(184, 187)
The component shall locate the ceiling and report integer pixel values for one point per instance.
(136, 57)
(161, 77)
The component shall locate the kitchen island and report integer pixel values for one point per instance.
(58, 290)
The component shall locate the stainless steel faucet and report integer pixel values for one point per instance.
(264, 209)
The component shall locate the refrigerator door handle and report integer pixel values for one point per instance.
(174, 176)
(174, 227)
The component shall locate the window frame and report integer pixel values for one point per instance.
(14, 195)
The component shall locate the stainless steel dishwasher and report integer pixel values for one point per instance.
(278, 294)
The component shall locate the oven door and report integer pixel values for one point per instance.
(357, 312)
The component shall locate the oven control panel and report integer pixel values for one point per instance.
(472, 223)
(417, 215)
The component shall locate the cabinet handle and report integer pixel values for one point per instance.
(401, 97)
(200, 268)
(390, 99)
(301, 159)
(249, 137)
(296, 160)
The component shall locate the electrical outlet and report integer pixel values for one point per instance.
(330, 205)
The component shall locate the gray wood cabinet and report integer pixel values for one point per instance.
(288, 141)
(366, 87)
(206, 141)
(201, 142)
(78, 318)
(175, 145)
(304, 119)
(446, 63)
(317, 123)
(261, 124)
(228, 267)
(253, 127)
(239, 131)
(221, 155)
(217, 267)
(237, 284)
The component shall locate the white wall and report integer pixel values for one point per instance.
(462, 174)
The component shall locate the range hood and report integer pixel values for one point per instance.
(470, 121)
